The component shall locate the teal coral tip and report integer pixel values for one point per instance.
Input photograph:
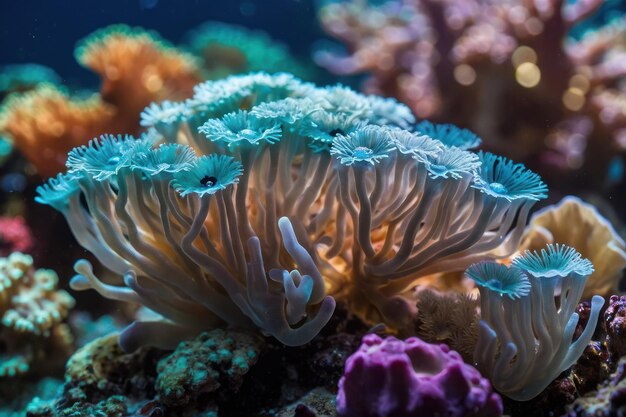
(167, 158)
(208, 175)
(102, 158)
(449, 135)
(240, 127)
(502, 178)
(57, 191)
(452, 163)
(511, 282)
(368, 145)
(419, 146)
(554, 261)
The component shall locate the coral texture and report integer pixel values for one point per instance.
(285, 193)
(448, 317)
(491, 66)
(578, 224)
(608, 400)
(614, 324)
(204, 364)
(32, 311)
(410, 378)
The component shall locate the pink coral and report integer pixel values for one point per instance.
(508, 70)
(391, 377)
(15, 236)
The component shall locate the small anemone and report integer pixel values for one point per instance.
(554, 260)
(168, 158)
(342, 99)
(102, 157)
(419, 146)
(272, 87)
(499, 278)
(389, 111)
(164, 113)
(325, 126)
(57, 191)
(216, 98)
(289, 111)
(451, 163)
(370, 145)
(503, 178)
(449, 135)
(238, 127)
(207, 175)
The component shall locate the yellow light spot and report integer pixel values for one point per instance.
(579, 81)
(523, 54)
(151, 79)
(574, 99)
(464, 74)
(528, 75)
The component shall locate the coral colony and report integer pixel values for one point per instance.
(263, 200)
(277, 174)
(491, 66)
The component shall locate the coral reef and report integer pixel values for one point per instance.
(102, 378)
(33, 335)
(491, 66)
(391, 377)
(578, 224)
(288, 175)
(528, 319)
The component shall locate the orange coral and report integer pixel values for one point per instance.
(46, 123)
(136, 67)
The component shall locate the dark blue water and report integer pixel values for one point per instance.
(46, 31)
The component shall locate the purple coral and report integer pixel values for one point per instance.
(391, 377)
(615, 325)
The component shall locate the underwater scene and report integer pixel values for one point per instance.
(313, 208)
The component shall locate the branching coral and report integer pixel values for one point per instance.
(577, 224)
(32, 313)
(493, 66)
(528, 319)
(230, 49)
(362, 211)
(136, 68)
